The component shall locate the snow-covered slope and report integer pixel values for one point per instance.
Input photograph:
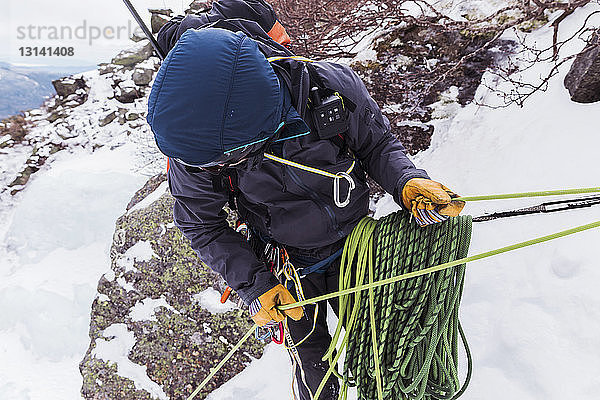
(56, 233)
(59, 235)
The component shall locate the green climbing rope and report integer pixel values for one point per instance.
(431, 324)
(522, 195)
(403, 277)
(413, 323)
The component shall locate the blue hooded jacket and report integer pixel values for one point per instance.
(215, 92)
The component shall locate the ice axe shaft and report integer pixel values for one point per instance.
(147, 32)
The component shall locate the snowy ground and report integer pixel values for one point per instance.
(56, 243)
(532, 317)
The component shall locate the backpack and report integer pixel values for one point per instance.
(329, 110)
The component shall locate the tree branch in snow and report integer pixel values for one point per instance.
(514, 71)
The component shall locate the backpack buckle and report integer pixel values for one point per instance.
(336, 189)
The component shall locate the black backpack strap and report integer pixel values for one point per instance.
(316, 80)
(323, 92)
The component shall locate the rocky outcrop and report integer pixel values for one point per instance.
(143, 76)
(198, 6)
(67, 86)
(134, 55)
(159, 18)
(126, 92)
(583, 79)
(414, 65)
(161, 305)
(82, 113)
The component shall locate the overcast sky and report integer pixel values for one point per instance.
(22, 24)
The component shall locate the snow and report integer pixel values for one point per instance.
(151, 198)
(55, 247)
(115, 349)
(64, 206)
(210, 299)
(266, 378)
(141, 251)
(12, 162)
(144, 310)
(125, 285)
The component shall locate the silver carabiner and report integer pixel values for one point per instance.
(336, 189)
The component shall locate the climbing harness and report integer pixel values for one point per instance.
(319, 267)
(337, 178)
(374, 367)
(278, 261)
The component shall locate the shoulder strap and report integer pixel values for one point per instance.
(316, 80)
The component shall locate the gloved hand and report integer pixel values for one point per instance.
(262, 310)
(429, 201)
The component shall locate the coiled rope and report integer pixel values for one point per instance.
(409, 347)
(414, 274)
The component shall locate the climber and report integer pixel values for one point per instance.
(286, 142)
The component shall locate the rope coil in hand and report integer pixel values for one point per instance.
(414, 323)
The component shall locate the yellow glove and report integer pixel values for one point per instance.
(429, 201)
(263, 310)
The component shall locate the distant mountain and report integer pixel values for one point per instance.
(24, 88)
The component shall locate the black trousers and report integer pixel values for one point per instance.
(311, 351)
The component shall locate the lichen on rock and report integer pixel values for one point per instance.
(177, 344)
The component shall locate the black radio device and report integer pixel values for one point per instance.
(330, 116)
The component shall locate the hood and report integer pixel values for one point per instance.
(214, 92)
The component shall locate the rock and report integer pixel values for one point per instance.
(161, 11)
(35, 112)
(157, 21)
(413, 64)
(198, 6)
(32, 165)
(55, 116)
(67, 86)
(583, 79)
(66, 132)
(143, 76)
(159, 18)
(6, 141)
(106, 68)
(176, 339)
(134, 55)
(107, 119)
(148, 188)
(137, 37)
(416, 138)
(127, 94)
(16, 127)
(132, 116)
(21, 180)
